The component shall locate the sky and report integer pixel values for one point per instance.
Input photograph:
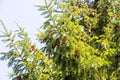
(26, 15)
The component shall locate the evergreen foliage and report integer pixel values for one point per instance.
(81, 43)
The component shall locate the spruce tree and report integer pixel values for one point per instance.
(81, 43)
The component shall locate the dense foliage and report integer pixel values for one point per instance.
(81, 41)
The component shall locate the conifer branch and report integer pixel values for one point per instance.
(50, 13)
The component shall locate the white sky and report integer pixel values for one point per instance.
(25, 14)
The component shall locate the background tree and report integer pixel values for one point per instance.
(81, 43)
